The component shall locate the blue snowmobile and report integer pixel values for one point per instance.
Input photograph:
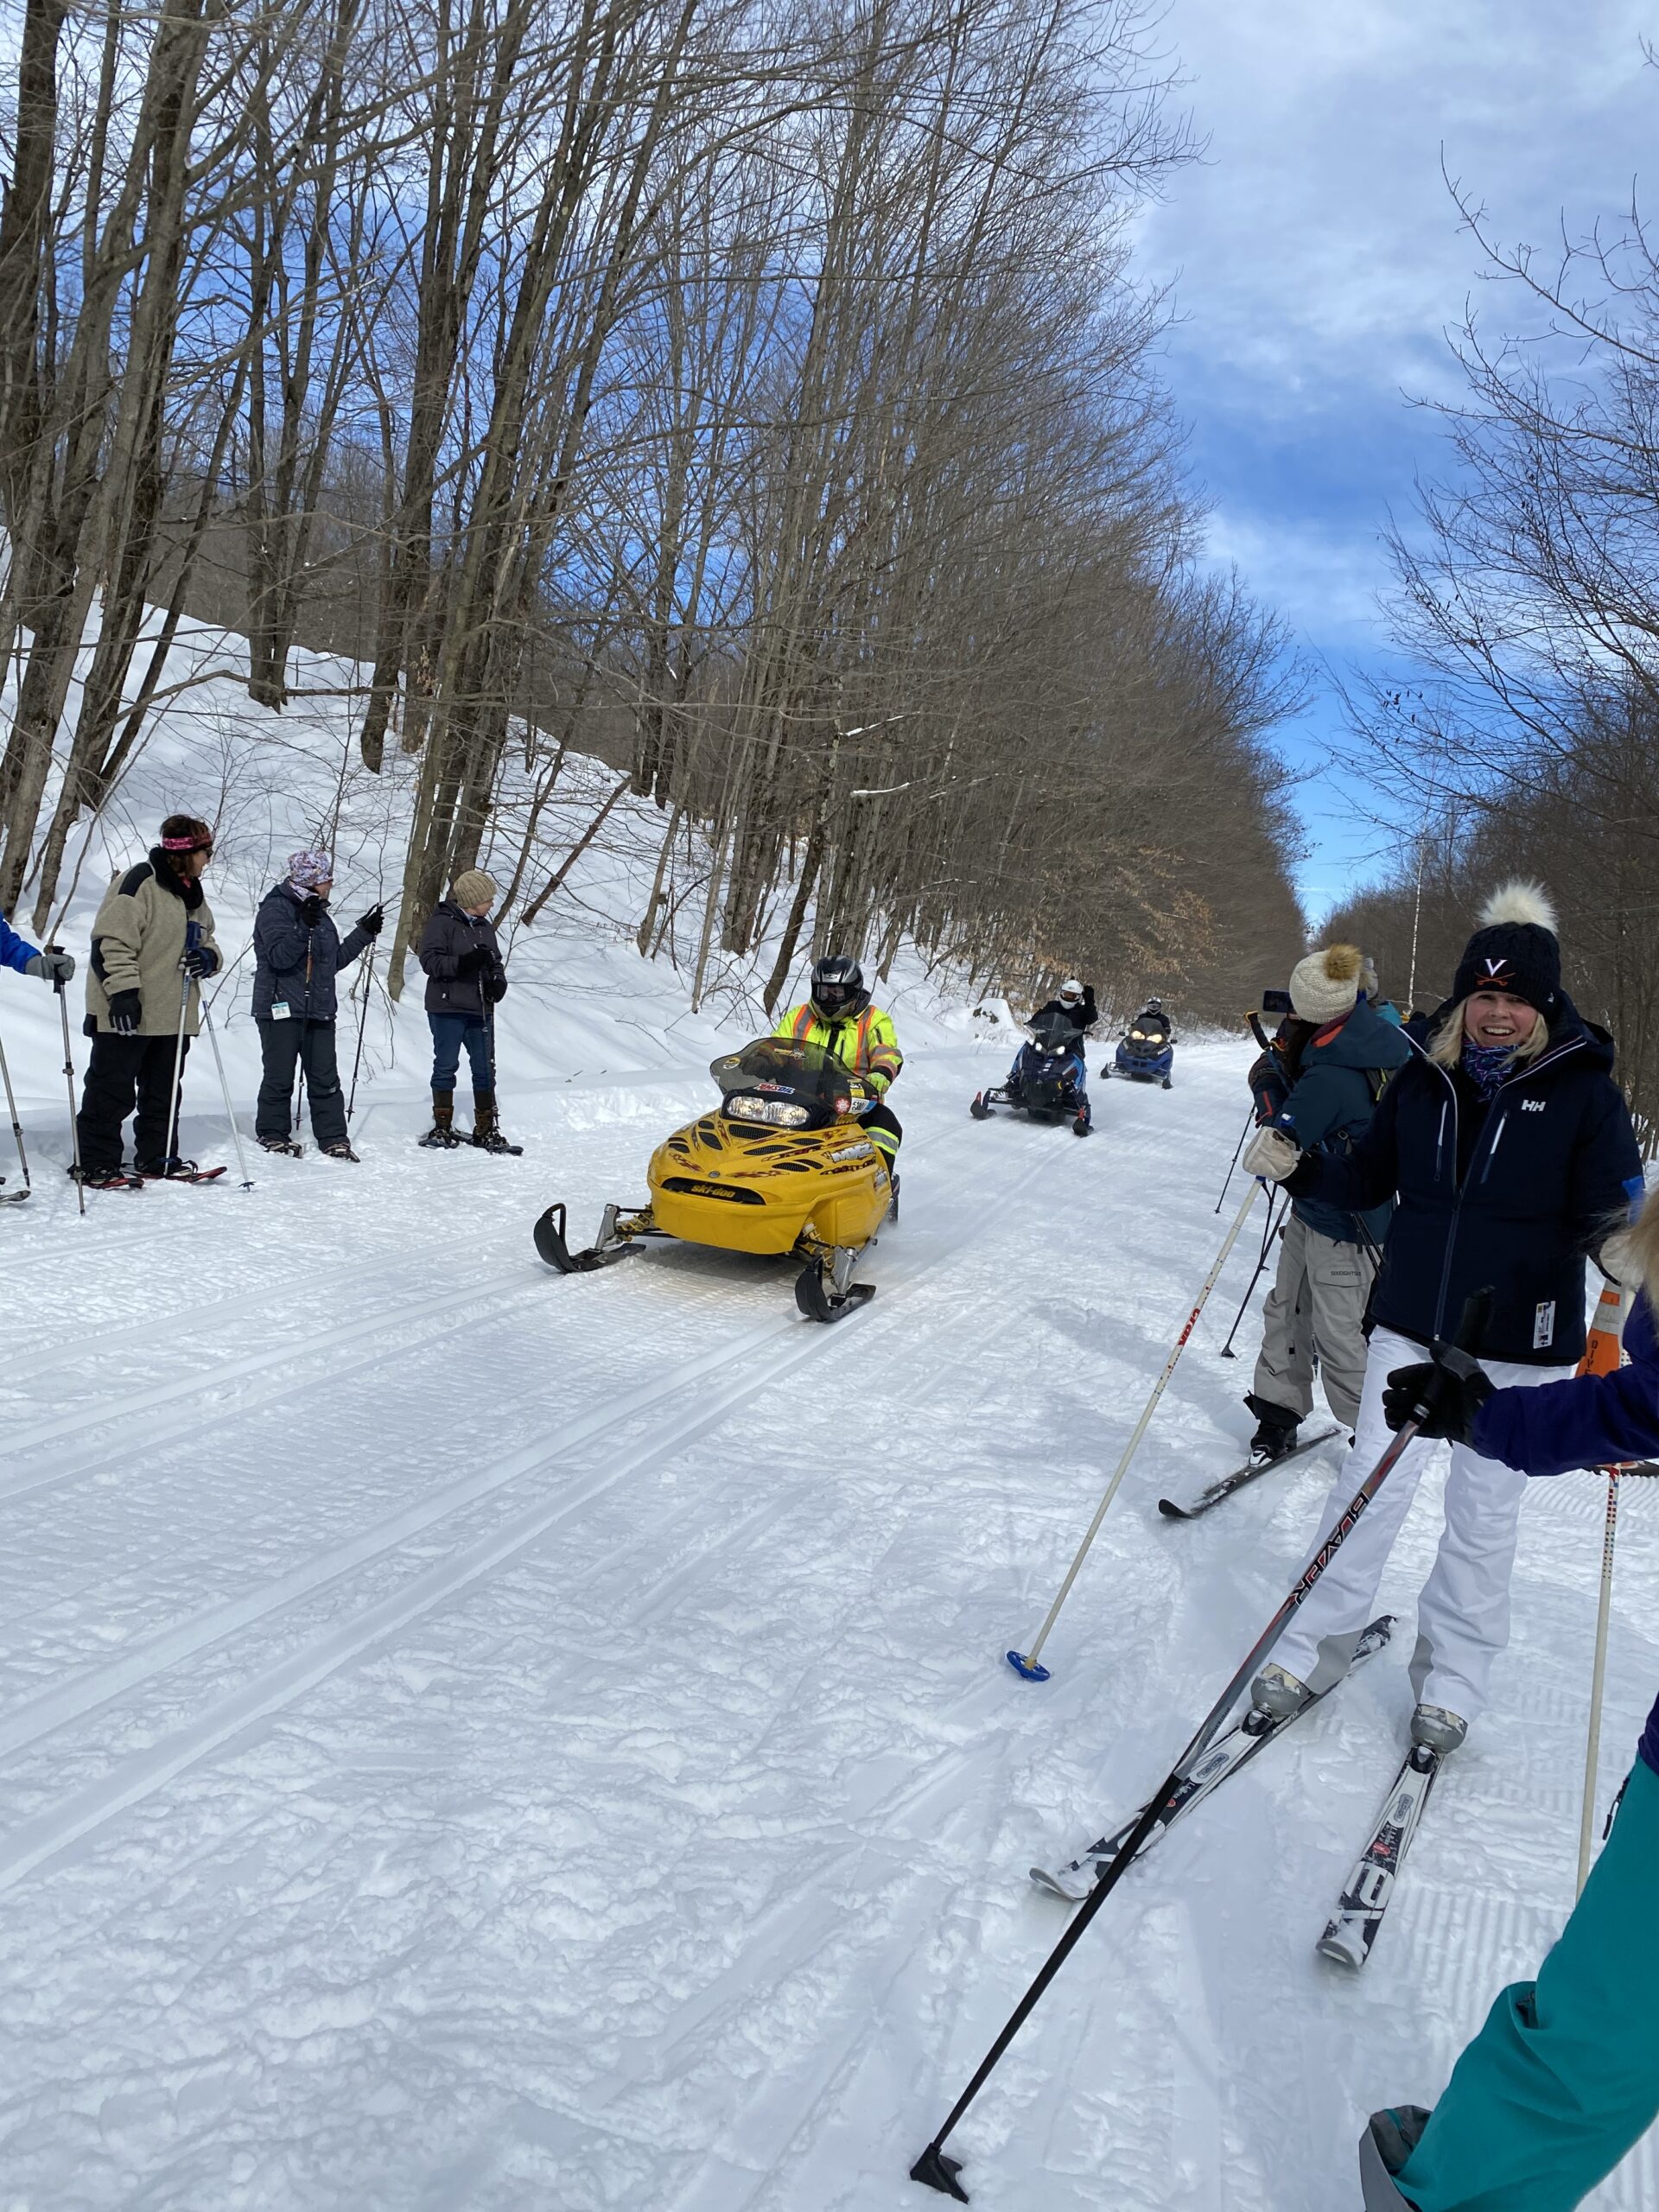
(1049, 1078)
(1146, 1051)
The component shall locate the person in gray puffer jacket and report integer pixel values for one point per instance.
(298, 952)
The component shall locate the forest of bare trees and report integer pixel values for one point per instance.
(1531, 603)
(760, 397)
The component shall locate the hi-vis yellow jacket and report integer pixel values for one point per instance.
(867, 1044)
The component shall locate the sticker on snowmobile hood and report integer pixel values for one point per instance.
(852, 1151)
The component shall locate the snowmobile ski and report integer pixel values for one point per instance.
(1223, 1488)
(1236, 1749)
(1352, 1929)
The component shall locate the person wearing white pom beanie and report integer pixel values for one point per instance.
(1508, 1149)
(1318, 1082)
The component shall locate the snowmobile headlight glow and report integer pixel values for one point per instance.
(1139, 1036)
(779, 1111)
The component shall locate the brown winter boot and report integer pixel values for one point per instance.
(486, 1131)
(442, 1137)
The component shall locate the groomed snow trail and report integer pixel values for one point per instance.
(471, 1740)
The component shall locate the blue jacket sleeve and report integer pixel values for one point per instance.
(1589, 1421)
(15, 952)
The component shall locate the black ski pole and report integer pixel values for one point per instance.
(1276, 1223)
(933, 2168)
(17, 1126)
(362, 1024)
(1233, 1163)
(69, 1077)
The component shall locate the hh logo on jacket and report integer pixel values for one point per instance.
(1532, 1105)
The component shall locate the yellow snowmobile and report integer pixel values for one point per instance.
(779, 1165)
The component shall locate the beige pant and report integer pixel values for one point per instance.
(1313, 1315)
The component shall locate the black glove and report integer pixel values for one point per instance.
(1453, 1401)
(495, 988)
(370, 923)
(475, 961)
(126, 1012)
(200, 961)
(311, 909)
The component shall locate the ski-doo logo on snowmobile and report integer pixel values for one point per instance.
(1532, 1105)
(769, 1085)
(1499, 974)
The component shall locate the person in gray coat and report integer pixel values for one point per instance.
(297, 954)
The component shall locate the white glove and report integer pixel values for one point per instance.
(1271, 1153)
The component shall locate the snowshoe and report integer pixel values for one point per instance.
(339, 1149)
(492, 1140)
(439, 1138)
(177, 1170)
(106, 1179)
(283, 1144)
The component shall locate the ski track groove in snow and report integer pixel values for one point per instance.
(585, 1776)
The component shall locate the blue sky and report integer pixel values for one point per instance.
(1318, 263)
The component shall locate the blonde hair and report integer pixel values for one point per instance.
(1643, 1247)
(1445, 1046)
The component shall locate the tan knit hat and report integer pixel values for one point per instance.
(1326, 984)
(473, 888)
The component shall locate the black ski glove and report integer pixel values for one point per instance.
(370, 923)
(475, 961)
(126, 1012)
(1454, 1400)
(311, 909)
(495, 988)
(200, 961)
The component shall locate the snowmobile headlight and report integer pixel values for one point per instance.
(1138, 1036)
(778, 1111)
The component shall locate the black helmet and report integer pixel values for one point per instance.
(838, 992)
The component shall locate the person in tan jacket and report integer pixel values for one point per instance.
(153, 945)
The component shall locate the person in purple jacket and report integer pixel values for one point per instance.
(1564, 2077)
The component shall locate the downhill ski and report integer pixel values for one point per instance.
(1224, 1758)
(1353, 1926)
(1225, 1485)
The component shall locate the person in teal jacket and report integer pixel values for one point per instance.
(1563, 2079)
(1320, 1082)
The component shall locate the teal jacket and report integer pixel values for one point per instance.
(1329, 1106)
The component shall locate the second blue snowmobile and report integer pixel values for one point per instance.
(1146, 1051)
(1048, 1080)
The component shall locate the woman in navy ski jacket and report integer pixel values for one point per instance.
(1564, 2077)
(1509, 1149)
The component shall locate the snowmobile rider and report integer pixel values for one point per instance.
(1509, 1147)
(1073, 1002)
(153, 926)
(1319, 1081)
(467, 980)
(1153, 1017)
(297, 953)
(1563, 2079)
(838, 1016)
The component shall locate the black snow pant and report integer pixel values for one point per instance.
(882, 1125)
(119, 1068)
(311, 1045)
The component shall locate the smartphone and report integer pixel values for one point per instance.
(1276, 1002)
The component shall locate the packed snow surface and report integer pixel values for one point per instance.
(473, 1738)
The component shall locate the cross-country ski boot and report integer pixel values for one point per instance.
(1276, 1429)
(1278, 1693)
(442, 1137)
(1437, 1730)
(487, 1130)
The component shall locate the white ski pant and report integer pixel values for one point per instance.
(1463, 1614)
(1315, 1313)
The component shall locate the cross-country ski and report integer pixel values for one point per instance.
(1225, 1486)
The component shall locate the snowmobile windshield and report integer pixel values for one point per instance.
(1052, 1034)
(779, 1083)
